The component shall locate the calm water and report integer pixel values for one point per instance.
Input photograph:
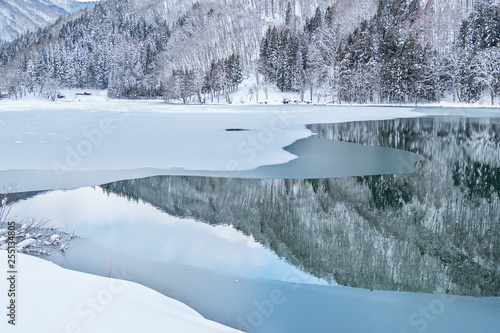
(433, 230)
(321, 158)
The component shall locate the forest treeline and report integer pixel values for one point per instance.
(378, 62)
(386, 58)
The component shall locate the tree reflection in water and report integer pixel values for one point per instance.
(436, 230)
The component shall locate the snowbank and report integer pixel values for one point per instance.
(53, 299)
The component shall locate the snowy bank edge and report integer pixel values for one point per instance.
(328, 308)
(88, 303)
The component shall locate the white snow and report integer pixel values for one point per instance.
(55, 238)
(53, 299)
(25, 243)
(75, 144)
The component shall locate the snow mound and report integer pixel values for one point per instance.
(25, 243)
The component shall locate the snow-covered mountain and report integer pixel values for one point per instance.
(19, 16)
(370, 51)
(142, 42)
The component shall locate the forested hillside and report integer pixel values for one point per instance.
(392, 58)
(396, 51)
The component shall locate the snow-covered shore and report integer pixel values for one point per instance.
(53, 299)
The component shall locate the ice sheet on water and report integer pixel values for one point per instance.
(67, 145)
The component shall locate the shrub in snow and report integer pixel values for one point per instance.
(30, 237)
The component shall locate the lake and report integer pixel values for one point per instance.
(418, 211)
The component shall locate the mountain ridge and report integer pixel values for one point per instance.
(20, 16)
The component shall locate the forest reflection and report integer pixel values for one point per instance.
(434, 230)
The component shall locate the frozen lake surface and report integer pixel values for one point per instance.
(70, 145)
(389, 204)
